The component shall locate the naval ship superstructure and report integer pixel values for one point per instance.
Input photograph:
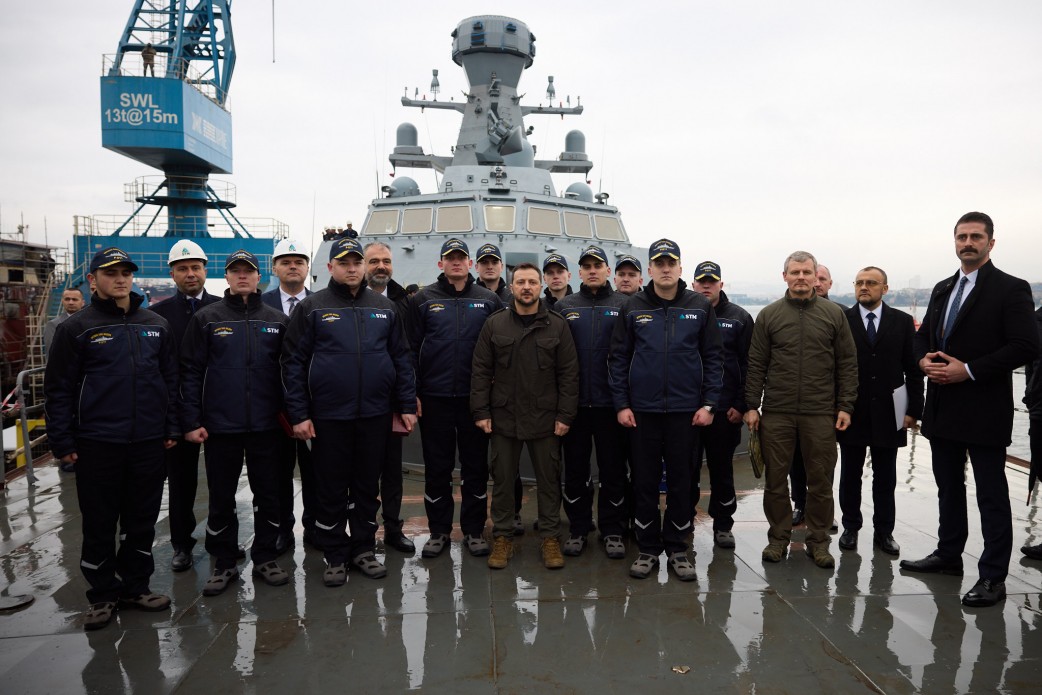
(492, 188)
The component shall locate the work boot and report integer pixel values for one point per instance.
(773, 553)
(821, 556)
(502, 551)
(552, 557)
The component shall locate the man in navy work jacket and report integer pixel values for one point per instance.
(187, 262)
(721, 438)
(445, 320)
(110, 387)
(978, 328)
(591, 314)
(290, 265)
(886, 365)
(346, 369)
(231, 395)
(666, 379)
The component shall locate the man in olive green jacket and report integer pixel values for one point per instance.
(803, 364)
(525, 390)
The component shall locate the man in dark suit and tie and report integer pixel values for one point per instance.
(290, 264)
(978, 328)
(187, 262)
(888, 378)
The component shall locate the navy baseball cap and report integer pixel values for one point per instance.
(454, 245)
(109, 257)
(664, 247)
(344, 246)
(556, 258)
(490, 250)
(707, 269)
(245, 257)
(594, 252)
(632, 260)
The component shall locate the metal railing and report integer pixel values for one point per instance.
(133, 65)
(217, 226)
(24, 411)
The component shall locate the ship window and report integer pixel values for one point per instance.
(382, 222)
(15, 275)
(455, 218)
(609, 228)
(499, 218)
(417, 220)
(544, 221)
(577, 224)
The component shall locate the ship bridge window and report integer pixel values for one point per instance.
(609, 228)
(455, 218)
(382, 222)
(544, 221)
(417, 220)
(578, 224)
(499, 218)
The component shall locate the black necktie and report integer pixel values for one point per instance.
(953, 312)
(871, 328)
(292, 305)
(193, 304)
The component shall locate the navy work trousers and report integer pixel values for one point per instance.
(659, 437)
(348, 456)
(447, 426)
(595, 427)
(224, 455)
(119, 487)
(294, 453)
(718, 442)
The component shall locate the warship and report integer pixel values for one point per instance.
(493, 188)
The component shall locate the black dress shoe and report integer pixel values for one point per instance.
(797, 516)
(182, 560)
(399, 541)
(848, 541)
(887, 544)
(934, 565)
(1033, 551)
(984, 593)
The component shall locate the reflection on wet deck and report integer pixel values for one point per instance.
(452, 625)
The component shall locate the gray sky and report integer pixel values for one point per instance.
(744, 130)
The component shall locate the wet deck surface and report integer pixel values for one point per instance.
(452, 625)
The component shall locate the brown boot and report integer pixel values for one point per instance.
(552, 557)
(502, 551)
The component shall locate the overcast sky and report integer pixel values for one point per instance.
(744, 130)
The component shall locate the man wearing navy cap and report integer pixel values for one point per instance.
(489, 262)
(591, 314)
(719, 440)
(110, 389)
(444, 322)
(556, 276)
(666, 371)
(346, 369)
(628, 279)
(230, 398)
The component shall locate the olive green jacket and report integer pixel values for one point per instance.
(525, 378)
(802, 360)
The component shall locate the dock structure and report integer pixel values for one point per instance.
(452, 625)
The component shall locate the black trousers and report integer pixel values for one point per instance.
(989, 476)
(224, 455)
(595, 427)
(391, 485)
(293, 453)
(348, 456)
(447, 426)
(659, 437)
(182, 472)
(120, 488)
(798, 479)
(718, 442)
(884, 483)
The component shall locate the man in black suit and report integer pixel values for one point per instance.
(978, 328)
(888, 378)
(290, 264)
(187, 262)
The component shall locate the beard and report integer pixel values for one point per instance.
(379, 280)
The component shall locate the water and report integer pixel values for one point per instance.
(1020, 446)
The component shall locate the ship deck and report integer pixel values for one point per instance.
(452, 625)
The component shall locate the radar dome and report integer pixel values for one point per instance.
(581, 191)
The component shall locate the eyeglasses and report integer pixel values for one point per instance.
(866, 283)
